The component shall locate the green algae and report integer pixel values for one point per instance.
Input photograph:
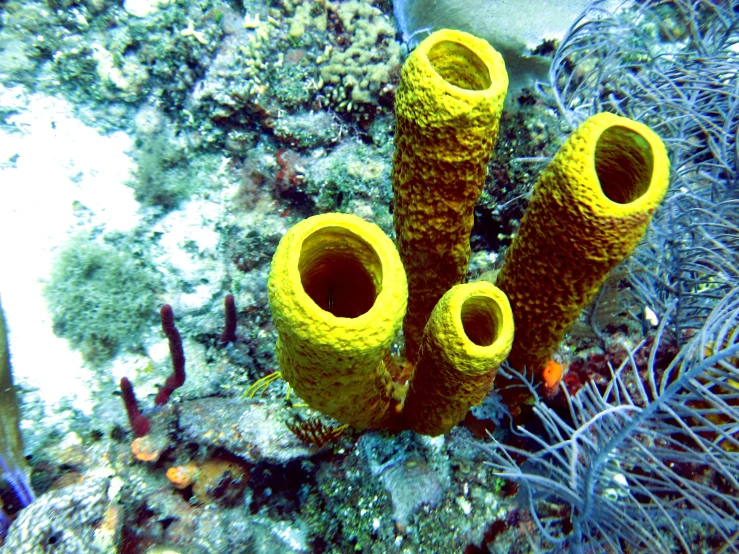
(102, 297)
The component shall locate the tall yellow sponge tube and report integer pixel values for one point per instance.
(468, 336)
(338, 292)
(447, 108)
(589, 209)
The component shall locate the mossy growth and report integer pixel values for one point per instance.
(102, 297)
(351, 172)
(289, 84)
(167, 174)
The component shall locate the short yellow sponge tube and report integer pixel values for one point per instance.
(338, 292)
(589, 209)
(468, 336)
(447, 108)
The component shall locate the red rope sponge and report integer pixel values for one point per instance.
(176, 352)
(139, 422)
(229, 331)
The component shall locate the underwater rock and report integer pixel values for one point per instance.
(79, 519)
(413, 469)
(177, 526)
(411, 483)
(251, 431)
(280, 536)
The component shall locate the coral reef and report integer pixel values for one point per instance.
(233, 83)
(255, 429)
(238, 119)
(83, 517)
(353, 177)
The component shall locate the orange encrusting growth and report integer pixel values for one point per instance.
(183, 476)
(215, 480)
(552, 375)
(148, 448)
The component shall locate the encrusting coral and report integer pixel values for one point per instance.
(447, 108)
(588, 211)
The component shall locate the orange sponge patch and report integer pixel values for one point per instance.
(552, 375)
(183, 476)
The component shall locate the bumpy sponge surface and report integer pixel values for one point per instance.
(338, 292)
(468, 336)
(588, 211)
(448, 107)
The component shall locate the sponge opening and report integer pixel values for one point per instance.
(459, 66)
(624, 163)
(481, 320)
(340, 272)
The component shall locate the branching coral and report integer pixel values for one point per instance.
(140, 424)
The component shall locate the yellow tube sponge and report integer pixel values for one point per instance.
(588, 211)
(338, 292)
(447, 108)
(468, 336)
